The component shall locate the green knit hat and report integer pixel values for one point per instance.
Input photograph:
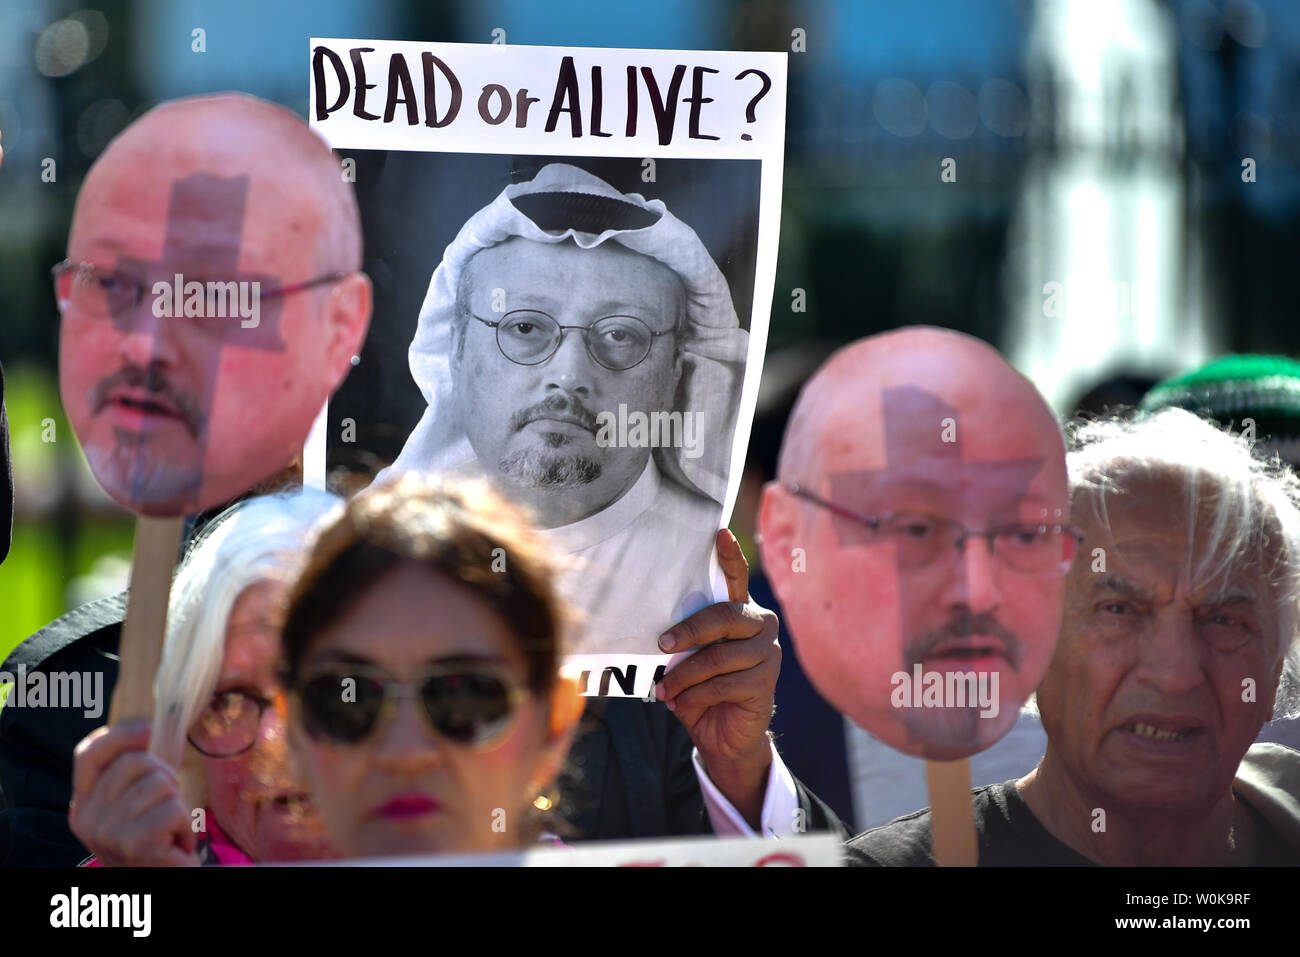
(1265, 389)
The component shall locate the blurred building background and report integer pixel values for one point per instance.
(1107, 190)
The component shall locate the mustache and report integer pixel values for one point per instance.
(564, 405)
(965, 625)
(153, 380)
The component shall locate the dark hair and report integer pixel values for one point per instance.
(462, 530)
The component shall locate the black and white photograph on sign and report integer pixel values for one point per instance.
(581, 338)
(573, 253)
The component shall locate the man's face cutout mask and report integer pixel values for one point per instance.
(910, 624)
(174, 397)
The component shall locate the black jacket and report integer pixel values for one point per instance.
(629, 773)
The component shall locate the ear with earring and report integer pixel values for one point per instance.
(547, 823)
(566, 707)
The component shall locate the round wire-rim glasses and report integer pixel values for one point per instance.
(602, 338)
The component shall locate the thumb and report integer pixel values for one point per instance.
(735, 568)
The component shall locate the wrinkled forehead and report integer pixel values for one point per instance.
(554, 270)
(1176, 528)
(252, 640)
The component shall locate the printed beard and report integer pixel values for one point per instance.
(946, 728)
(129, 473)
(549, 469)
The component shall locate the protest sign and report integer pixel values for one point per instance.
(574, 251)
(808, 850)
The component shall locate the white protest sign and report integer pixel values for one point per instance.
(809, 850)
(574, 252)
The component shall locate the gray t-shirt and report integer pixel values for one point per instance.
(1009, 835)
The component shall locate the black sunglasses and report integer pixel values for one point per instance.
(471, 706)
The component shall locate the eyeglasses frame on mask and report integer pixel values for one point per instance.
(876, 525)
(59, 270)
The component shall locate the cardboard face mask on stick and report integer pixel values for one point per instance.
(923, 492)
(210, 303)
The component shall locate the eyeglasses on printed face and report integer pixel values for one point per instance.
(528, 338)
(229, 725)
(468, 706)
(99, 293)
(923, 539)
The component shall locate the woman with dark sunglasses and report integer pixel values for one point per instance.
(216, 718)
(422, 644)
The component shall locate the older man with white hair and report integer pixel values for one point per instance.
(1178, 643)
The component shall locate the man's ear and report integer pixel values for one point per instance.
(679, 366)
(456, 354)
(681, 331)
(778, 528)
(347, 318)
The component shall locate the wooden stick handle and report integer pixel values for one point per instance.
(952, 815)
(157, 541)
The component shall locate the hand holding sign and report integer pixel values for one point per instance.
(127, 805)
(614, 404)
(211, 301)
(725, 693)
